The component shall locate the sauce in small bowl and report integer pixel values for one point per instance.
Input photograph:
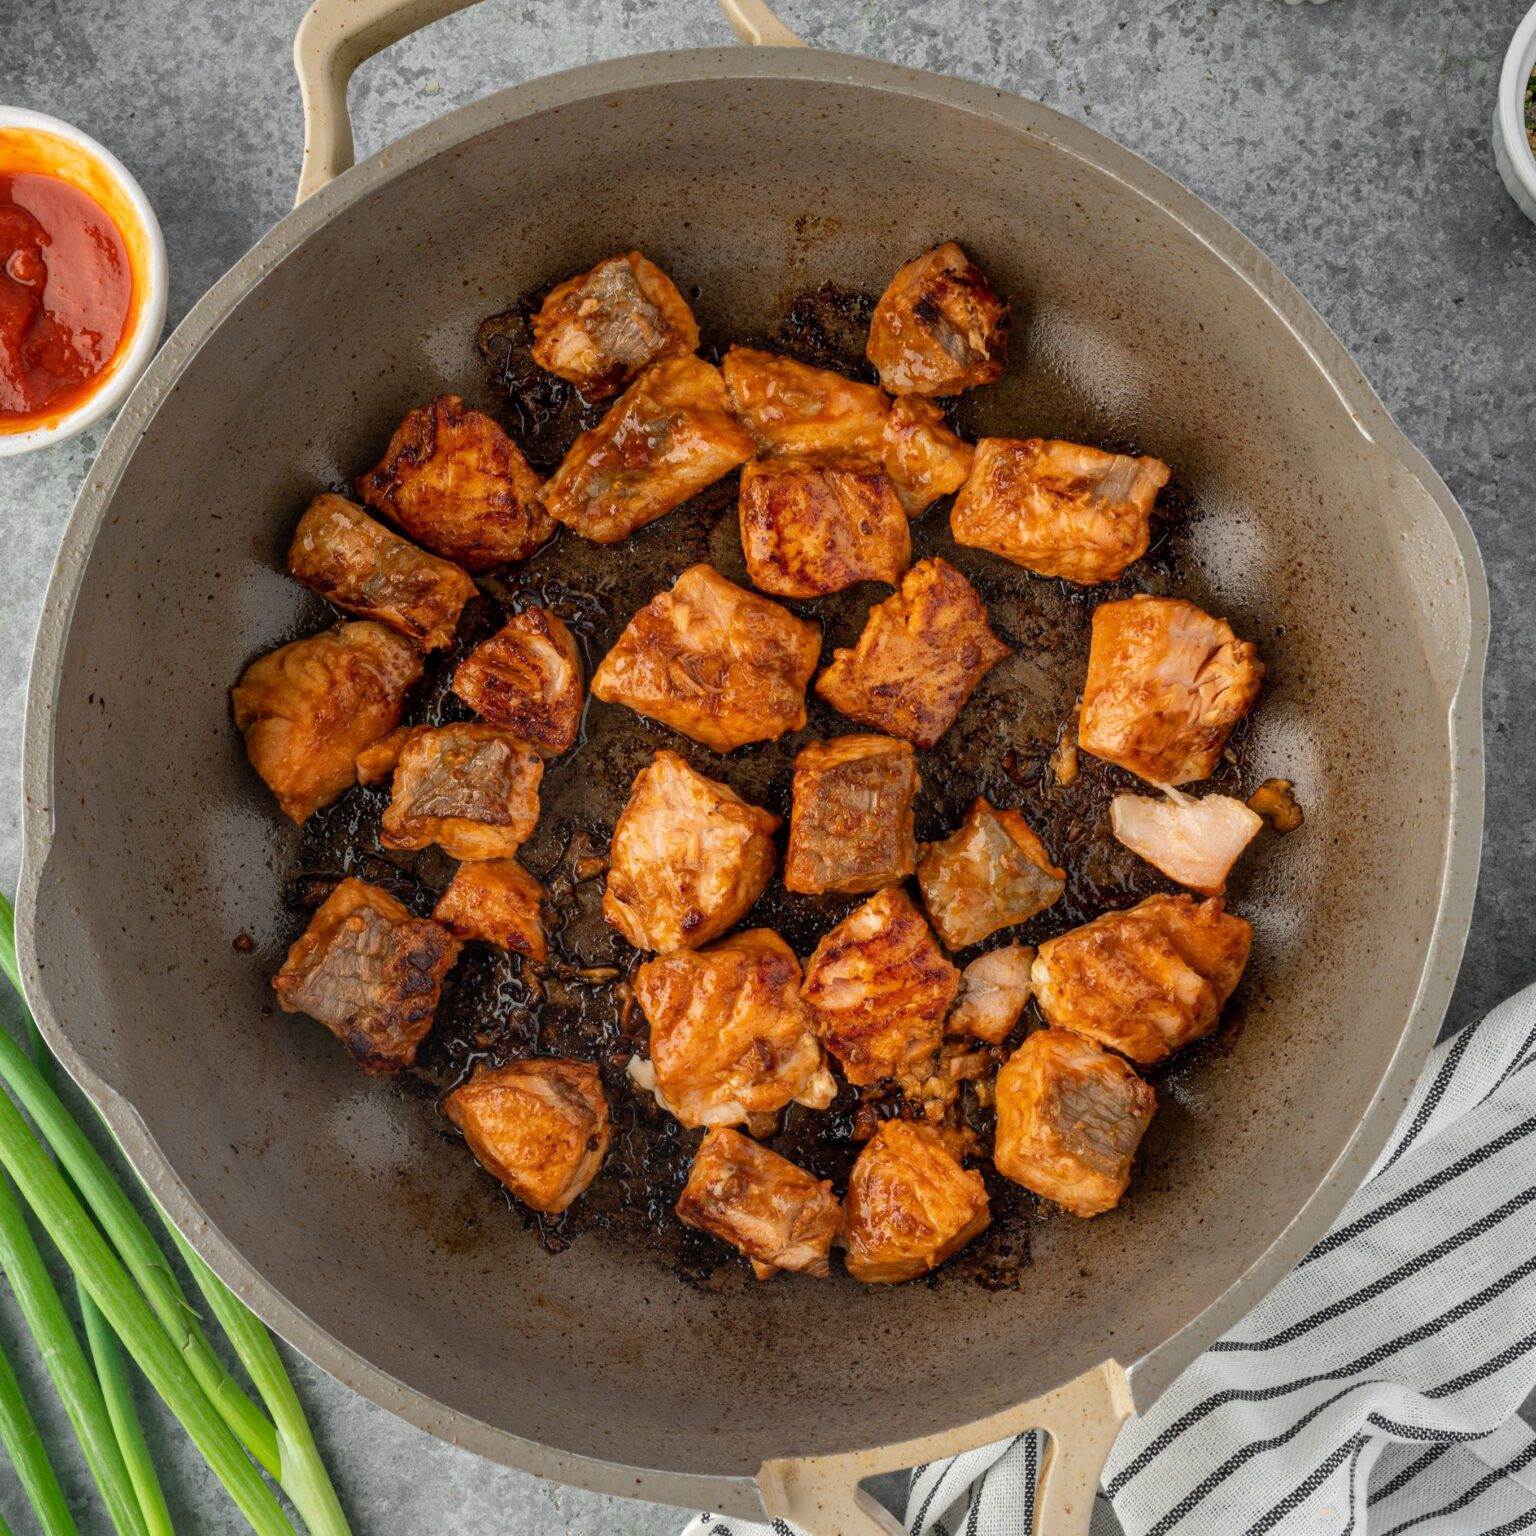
(82, 281)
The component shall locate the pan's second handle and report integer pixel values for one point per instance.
(822, 1495)
(754, 22)
(336, 36)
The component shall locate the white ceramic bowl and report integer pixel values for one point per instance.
(151, 268)
(1511, 148)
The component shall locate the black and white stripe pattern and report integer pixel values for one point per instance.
(1375, 1391)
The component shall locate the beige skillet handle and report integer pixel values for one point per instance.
(822, 1496)
(336, 36)
(755, 23)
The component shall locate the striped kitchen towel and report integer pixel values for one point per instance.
(1376, 1390)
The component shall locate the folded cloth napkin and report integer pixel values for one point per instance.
(1376, 1390)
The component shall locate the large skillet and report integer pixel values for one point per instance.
(328, 1201)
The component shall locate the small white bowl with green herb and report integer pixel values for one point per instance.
(1514, 118)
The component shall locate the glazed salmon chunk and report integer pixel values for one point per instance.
(910, 1205)
(920, 657)
(370, 972)
(457, 484)
(798, 412)
(376, 762)
(991, 873)
(879, 987)
(993, 992)
(358, 564)
(307, 709)
(602, 328)
(777, 1215)
(1069, 1119)
(1195, 842)
(924, 459)
(809, 529)
(527, 679)
(540, 1126)
(1166, 684)
(664, 439)
(850, 826)
(714, 661)
(497, 902)
(688, 858)
(730, 1036)
(1146, 981)
(1058, 509)
(939, 328)
(471, 789)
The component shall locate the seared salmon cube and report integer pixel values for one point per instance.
(1195, 842)
(714, 661)
(910, 1205)
(1166, 684)
(370, 972)
(776, 1214)
(497, 902)
(991, 873)
(994, 990)
(307, 709)
(1069, 1119)
(796, 411)
(850, 826)
(730, 1036)
(1058, 509)
(378, 760)
(540, 1126)
(601, 329)
(879, 987)
(922, 653)
(939, 328)
(666, 438)
(810, 529)
(471, 789)
(924, 459)
(454, 481)
(1146, 981)
(527, 679)
(358, 564)
(689, 857)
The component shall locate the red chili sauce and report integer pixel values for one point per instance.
(66, 297)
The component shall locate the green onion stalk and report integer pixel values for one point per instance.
(86, 1252)
(78, 1389)
(23, 1444)
(286, 1449)
(107, 1357)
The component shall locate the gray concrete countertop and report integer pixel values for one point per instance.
(1349, 140)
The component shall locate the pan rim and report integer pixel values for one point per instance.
(1167, 199)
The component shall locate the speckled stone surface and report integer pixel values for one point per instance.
(1349, 140)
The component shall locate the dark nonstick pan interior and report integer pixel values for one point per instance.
(344, 1195)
